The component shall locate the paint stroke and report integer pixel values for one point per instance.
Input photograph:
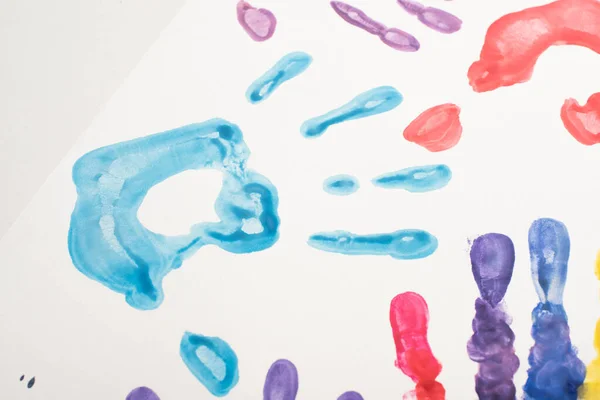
(371, 102)
(505, 61)
(211, 361)
(409, 318)
(350, 396)
(437, 128)
(583, 121)
(416, 179)
(142, 393)
(393, 37)
(492, 343)
(407, 244)
(434, 18)
(555, 372)
(285, 69)
(108, 243)
(259, 23)
(281, 382)
(31, 383)
(341, 185)
(591, 386)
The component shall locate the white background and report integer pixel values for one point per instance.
(328, 313)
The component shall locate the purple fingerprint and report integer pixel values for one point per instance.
(281, 382)
(350, 396)
(436, 19)
(142, 393)
(492, 343)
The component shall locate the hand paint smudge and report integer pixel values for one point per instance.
(555, 373)
(281, 382)
(405, 244)
(434, 18)
(371, 102)
(259, 24)
(409, 318)
(142, 393)
(285, 69)
(108, 243)
(212, 362)
(505, 61)
(416, 179)
(437, 128)
(492, 343)
(341, 185)
(591, 387)
(395, 38)
(583, 122)
(350, 396)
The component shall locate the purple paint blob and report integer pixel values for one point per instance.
(258, 23)
(350, 396)
(492, 343)
(395, 38)
(281, 382)
(436, 19)
(142, 393)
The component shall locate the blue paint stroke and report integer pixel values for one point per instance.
(371, 102)
(285, 69)
(108, 243)
(416, 179)
(212, 362)
(555, 371)
(341, 185)
(405, 244)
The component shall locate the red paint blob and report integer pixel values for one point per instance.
(409, 318)
(437, 128)
(583, 122)
(514, 42)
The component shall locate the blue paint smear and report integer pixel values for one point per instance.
(285, 69)
(405, 244)
(341, 185)
(212, 361)
(416, 179)
(108, 243)
(555, 370)
(372, 102)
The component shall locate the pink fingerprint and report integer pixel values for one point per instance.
(259, 23)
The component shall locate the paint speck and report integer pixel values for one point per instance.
(341, 185)
(31, 383)
(22, 377)
(416, 179)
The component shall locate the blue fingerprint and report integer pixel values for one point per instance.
(341, 185)
(405, 244)
(372, 102)
(416, 179)
(212, 361)
(555, 370)
(285, 69)
(108, 243)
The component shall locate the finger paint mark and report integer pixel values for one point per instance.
(437, 128)
(371, 102)
(409, 318)
(281, 382)
(350, 396)
(108, 243)
(212, 361)
(408, 244)
(591, 386)
(341, 185)
(505, 61)
(285, 69)
(395, 38)
(583, 122)
(22, 377)
(416, 179)
(434, 18)
(31, 383)
(142, 393)
(492, 343)
(259, 24)
(555, 373)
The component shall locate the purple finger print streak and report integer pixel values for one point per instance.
(492, 343)
(434, 18)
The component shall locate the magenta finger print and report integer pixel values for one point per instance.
(258, 23)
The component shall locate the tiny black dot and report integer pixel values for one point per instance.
(22, 377)
(31, 383)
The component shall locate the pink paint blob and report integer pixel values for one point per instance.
(259, 23)
(583, 121)
(436, 129)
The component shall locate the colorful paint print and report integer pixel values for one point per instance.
(259, 23)
(281, 382)
(142, 393)
(434, 18)
(555, 372)
(437, 128)
(583, 121)
(591, 386)
(341, 185)
(108, 243)
(492, 343)
(416, 179)
(409, 318)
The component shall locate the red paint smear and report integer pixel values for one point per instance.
(514, 42)
(409, 317)
(436, 129)
(583, 122)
